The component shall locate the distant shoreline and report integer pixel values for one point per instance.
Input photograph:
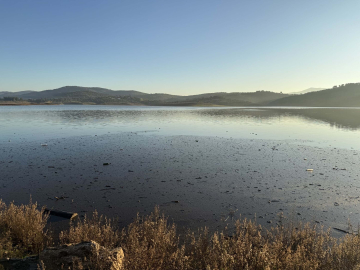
(24, 104)
(172, 105)
(167, 105)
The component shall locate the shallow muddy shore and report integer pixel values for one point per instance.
(196, 180)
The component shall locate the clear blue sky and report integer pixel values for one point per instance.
(179, 46)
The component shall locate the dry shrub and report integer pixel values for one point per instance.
(345, 255)
(24, 227)
(152, 243)
(299, 247)
(284, 247)
(97, 228)
(7, 249)
(246, 249)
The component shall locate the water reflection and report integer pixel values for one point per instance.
(327, 126)
(338, 118)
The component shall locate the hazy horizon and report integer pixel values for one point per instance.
(180, 48)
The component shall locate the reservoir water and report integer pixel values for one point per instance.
(202, 166)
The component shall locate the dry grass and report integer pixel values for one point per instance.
(345, 255)
(151, 242)
(97, 228)
(7, 249)
(22, 229)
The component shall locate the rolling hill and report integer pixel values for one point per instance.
(14, 94)
(64, 91)
(257, 98)
(97, 95)
(346, 95)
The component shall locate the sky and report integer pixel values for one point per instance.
(179, 46)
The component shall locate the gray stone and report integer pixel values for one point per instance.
(84, 253)
(28, 263)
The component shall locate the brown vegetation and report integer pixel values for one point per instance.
(151, 242)
(22, 229)
(97, 228)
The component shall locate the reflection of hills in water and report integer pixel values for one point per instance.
(339, 118)
(105, 116)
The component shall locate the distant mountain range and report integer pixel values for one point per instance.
(13, 94)
(346, 95)
(312, 89)
(97, 95)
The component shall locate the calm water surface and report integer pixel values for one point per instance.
(335, 127)
(211, 161)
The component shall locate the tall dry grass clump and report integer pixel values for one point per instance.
(300, 247)
(22, 229)
(245, 249)
(98, 228)
(152, 243)
(345, 255)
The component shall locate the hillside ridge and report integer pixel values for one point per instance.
(345, 95)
